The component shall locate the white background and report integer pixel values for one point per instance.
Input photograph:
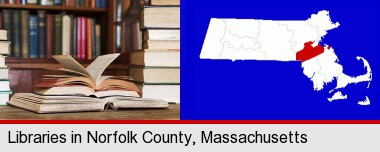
(332, 137)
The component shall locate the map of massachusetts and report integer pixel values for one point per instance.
(284, 41)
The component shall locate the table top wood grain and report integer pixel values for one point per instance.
(172, 113)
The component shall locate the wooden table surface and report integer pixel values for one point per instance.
(9, 112)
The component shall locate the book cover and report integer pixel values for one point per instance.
(58, 2)
(83, 38)
(74, 37)
(25, 33)
(33, 36)
(93, 47)
(79, 37)
(31, 1)
(50, 35)
(88, 39)
(97, 40)
(16, 39)
(41, 33)
(7, 24)
(58, 34)
(46, 2)
(66, 37)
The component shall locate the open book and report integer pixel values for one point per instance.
(57, 104)
(86, 81)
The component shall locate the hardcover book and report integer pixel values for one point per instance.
(86, 81)
(59, 104)
(41, 34)
(33, 36)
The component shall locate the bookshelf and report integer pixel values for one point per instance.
(25, 72)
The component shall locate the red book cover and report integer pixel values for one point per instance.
(79, 38)
(88, 39)
(83, 35)
(49, 35)
(70, 2)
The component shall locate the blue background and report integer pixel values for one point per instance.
(222, 89)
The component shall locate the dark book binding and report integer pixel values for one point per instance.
(7, 24)
(16, 39)
(49, 35)
(41, 34)
(25, 33)
(33, 36)
(58, 34)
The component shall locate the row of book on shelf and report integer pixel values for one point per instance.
(5, 90)
(77, 3)
(156, 68)
(42, 35)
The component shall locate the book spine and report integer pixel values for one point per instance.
(31, 1)
(16, 33)
(18, 1)
(57, 2)
(88, 39)
(23, 2)
(92, 3)
(1, 20)
(41, 33)
(33, 36)
(25, 33)
(49, 35)
(83, 40)
(7, 24)
(70, 3)
(66, 24)
(93, 38)
(46, 2)
(98, 3)
(58, 34)
(74, 37)
(97, 40)
(79, 37)
(104, 3)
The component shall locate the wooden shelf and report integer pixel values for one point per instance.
(54, 8)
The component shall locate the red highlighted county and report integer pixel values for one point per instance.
(309, 52)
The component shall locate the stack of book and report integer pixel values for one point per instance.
(83, 89)
(77, 3)
(42, 35)
(156, 68)
(5, 90)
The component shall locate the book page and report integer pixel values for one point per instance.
(97, 67)
(70, 63)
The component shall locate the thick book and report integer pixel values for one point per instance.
(4, 73)
(50, 36)
(4, 47)
(41, 33)
(2, 61)
(165, 2)
(59, 104)
(160, 17)
(155, 75)
(169, 93)
(4, 85)
(31, 1)
(160, 34)
(25, 33)
(33, 36)
(46, 2)
(66, 37)
(86, 81)
(58, 34)
(3, 35)
(162, 44)
(4, 97)
(16, 29)
(168, 58)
